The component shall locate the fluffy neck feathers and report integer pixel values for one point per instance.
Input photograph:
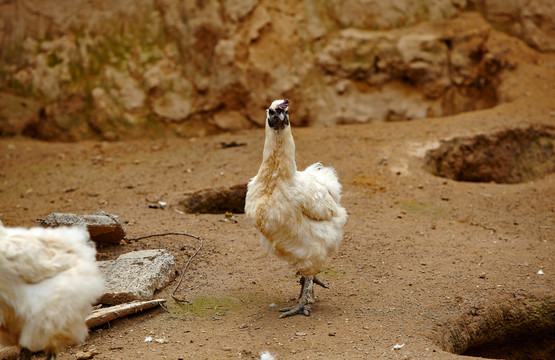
(279, 154)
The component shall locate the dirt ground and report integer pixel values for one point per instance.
(420, 252)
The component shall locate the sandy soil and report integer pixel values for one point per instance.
(419, 251)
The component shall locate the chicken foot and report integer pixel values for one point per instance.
(306, 298)
(26, 354)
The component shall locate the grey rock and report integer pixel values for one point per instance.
(136, 275)
(103, 227)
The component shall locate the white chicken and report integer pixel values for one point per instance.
(298, 213)
(48, 282)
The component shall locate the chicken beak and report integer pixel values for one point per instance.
(277, 121)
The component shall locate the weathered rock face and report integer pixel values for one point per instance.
(533, 21)
(136, 275)
(98, 69)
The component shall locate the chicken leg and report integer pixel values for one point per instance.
(25, 354)
(306, 297)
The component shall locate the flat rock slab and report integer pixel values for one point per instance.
(104, 228)
(136, 275)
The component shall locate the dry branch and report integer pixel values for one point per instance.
(183, 274)
(103, 315)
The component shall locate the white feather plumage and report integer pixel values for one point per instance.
(48, 282)
(297, 212)
(265, 355)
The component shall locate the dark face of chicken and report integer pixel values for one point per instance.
(278, 117)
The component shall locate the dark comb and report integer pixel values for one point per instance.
(283, 105)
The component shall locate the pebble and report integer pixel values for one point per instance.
(85, 355)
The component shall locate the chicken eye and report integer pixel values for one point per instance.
(271, 112)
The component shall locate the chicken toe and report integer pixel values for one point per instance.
(295, 310)
(321, 283)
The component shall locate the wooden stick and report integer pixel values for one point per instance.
(164, 234)
(183, 274)
(103, 315)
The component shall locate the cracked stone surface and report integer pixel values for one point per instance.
(137, 275)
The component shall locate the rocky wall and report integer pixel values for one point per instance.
(76, 69)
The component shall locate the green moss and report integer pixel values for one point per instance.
(53, 59)
(417, 207)
(209, 306)
(424, 13)
(332, 273)
(138, 42)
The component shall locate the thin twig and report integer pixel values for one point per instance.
(183, 274)
(164, 234)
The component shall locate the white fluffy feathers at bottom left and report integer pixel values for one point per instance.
(48, 282)
(265, 355)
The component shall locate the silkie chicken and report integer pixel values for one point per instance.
(298, 213)
(48, 282)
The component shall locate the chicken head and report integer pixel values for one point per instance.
(277, 115)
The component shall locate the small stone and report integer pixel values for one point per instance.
(86, 355)
(300, 333)
(136, 275)
(102, 226)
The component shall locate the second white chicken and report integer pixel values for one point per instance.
(48, 282)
